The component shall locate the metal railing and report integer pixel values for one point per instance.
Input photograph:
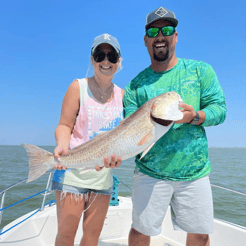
(217, 186)
(3, 192)
(224, 188)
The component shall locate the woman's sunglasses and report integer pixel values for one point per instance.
(154, 31)
(112, 56)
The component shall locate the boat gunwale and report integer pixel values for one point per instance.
(50, 203)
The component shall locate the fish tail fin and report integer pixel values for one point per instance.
(40, 161)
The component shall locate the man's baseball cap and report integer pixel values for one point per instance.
(161, 14)
(105, 39)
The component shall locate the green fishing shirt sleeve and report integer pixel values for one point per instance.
(182, 153)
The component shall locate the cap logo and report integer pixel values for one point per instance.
(161, 12)
(106, 36)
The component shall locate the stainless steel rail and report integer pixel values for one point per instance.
(45, 194)
(224, 188)
(3, 192)
(217, 186)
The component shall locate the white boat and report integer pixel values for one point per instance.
(39, 227)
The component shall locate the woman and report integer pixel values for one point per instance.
(90, 106)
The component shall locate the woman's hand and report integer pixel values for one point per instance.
(110, 164)
(60, 150)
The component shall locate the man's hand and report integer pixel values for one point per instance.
(110, 164)
(188, 113)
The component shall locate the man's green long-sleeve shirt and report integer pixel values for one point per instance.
(182, 153)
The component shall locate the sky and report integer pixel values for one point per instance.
(45, 45)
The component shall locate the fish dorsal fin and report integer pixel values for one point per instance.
(146, 150)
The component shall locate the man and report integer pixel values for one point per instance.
(176, 169)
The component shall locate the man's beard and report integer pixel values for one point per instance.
(162, 56)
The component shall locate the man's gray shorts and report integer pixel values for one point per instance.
(191, 204)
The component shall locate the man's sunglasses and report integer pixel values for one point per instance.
(99, 56)
(154, 31)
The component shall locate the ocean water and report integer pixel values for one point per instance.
(228, 170)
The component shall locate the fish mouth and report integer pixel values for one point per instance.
(161, 121)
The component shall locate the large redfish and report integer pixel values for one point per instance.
(135, 134)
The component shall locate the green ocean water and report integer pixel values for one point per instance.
(228, 170)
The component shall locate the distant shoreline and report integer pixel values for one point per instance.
(227, 147)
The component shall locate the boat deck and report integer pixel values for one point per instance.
(40, 229)
(155, 241)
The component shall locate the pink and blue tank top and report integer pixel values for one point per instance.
(93, 118)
